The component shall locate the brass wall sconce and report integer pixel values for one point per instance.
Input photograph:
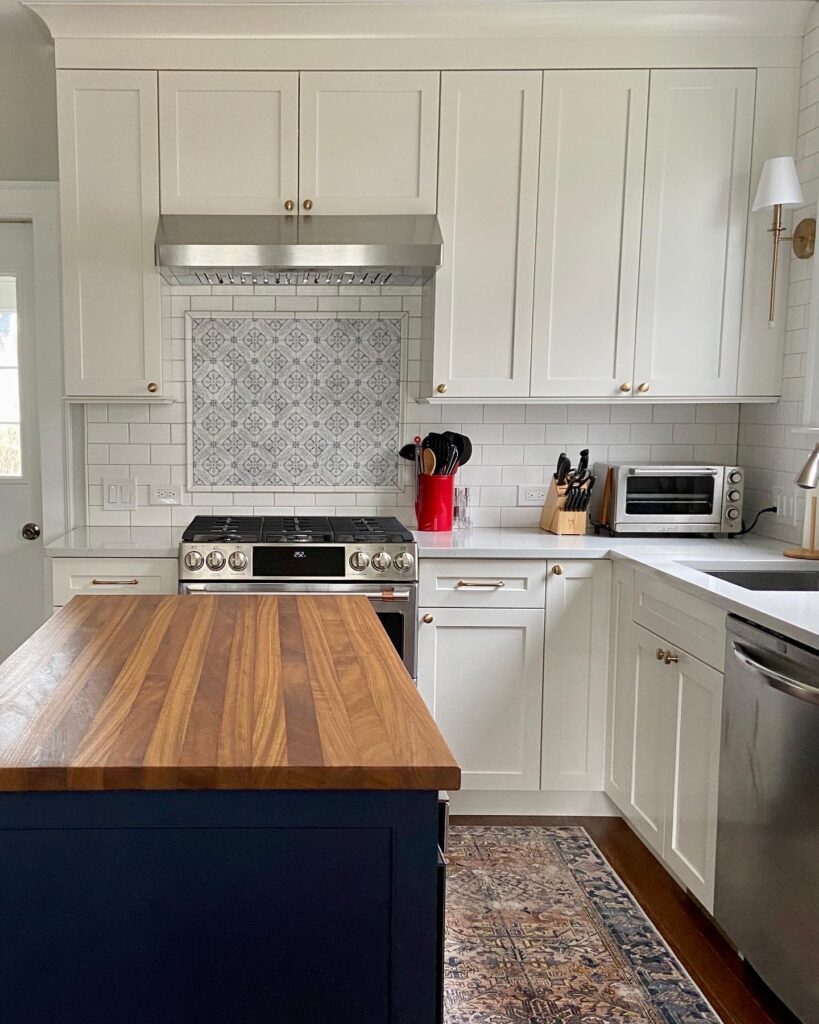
(779, 186)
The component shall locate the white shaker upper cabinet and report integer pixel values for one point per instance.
(588, 237)
(697, 180)
(368, 142)
(109, 205)
(487, 206)
(228, 141)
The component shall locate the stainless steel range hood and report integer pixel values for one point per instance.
(376, 250)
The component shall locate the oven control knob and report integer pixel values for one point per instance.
(734, 477)
(733, 513)
(359, 560)
(194, 560)
(403, 561)
(237, 560)
(381, 561)
(734, 495)
(215, 560)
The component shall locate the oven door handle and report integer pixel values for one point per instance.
(777, 680)
(377, 593)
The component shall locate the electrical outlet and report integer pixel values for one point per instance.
(785, 502)
(165, 494)
(532, 494)
(119, 494)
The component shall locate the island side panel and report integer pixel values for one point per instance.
(211, 906)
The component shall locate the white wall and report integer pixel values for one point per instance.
(28, 107)
(768, 447)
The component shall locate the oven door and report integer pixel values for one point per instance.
(665, 497)
(396, 605)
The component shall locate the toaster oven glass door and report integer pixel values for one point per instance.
(672, 497)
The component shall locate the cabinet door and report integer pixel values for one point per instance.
(487, 205)
(481, 674)
(697, 179)
(109, 205)
(576, 669)
(648, 803)
(620, 718)
(592, 149)
(369, 141)
(690, 846)
(228, 141)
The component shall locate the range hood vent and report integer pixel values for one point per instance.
(241, 250)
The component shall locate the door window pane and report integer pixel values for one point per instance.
(11, 463)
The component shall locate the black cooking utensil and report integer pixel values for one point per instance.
(407, 452)
(462, 443)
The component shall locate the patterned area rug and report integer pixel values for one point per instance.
(540, 930)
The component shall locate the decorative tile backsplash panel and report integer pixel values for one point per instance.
(283, 402)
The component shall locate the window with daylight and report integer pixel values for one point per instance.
(11, 460)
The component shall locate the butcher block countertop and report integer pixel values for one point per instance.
(215, 692)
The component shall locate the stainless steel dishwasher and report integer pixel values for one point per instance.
(767, 881)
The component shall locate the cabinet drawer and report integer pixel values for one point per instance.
(696, 626)
(72, 576)
(482, 583)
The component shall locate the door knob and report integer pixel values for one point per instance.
(626, 386)
(308, 204)
(441, 389)
(660, 654)
(31, 531)
(289, 205)
(153, 388)
(642, 388)
(671, 658)
(427, 619)
(557, 570)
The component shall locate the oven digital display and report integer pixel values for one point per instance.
(285, 560)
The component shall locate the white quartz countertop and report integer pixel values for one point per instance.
(679, 560)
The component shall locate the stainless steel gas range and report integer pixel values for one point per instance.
(372, 556)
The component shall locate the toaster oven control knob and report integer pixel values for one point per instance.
(215, 560)
(381, 561)
(733, 513)
(359, 560)
(194, 560)
(734, 477)
(403, 561)
(237, 560)
(734, 495)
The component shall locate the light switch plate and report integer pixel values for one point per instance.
(119, 494)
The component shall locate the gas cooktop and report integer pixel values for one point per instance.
(296, 530)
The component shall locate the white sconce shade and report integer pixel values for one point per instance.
(778, 184)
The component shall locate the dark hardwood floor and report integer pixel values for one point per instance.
(732, 988)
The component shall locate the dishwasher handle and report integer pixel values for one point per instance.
(798, 688)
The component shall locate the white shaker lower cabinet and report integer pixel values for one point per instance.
(109, 205)
(576, 670)
(481, 674)
(487, 206)
(673, 702)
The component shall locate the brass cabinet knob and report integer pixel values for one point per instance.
(557, 570)
(626, 386)
(441, 389)
(289, 205)
(660, 654)
(153, 388)
(671, 657)
(642, 388)
(427, 618)
(308, 204)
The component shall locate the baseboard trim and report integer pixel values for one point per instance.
(548, 802)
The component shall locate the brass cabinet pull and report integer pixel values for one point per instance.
(153, 388)
(643, 388)
(115, 583)
(671, 657)
(441, 389)
(289, 205)
(626, 386)
(308, 204)
(660, 654)
(427, 618)
(489, 584)
(557, 570)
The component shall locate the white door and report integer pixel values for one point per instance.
(592, 151)
(228, 141)
(648, 805)
(109, 206)
(368, 141)
(691, 838)
(481, 674)
(622, 674)
(697, 180)
(576, 668)
(22, 599)
(487, 206)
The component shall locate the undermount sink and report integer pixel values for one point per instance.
(768, 579)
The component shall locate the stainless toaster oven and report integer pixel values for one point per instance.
(686, 498)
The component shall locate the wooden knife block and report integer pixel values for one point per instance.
(555, 519)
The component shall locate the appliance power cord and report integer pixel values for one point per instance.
(747, 529)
